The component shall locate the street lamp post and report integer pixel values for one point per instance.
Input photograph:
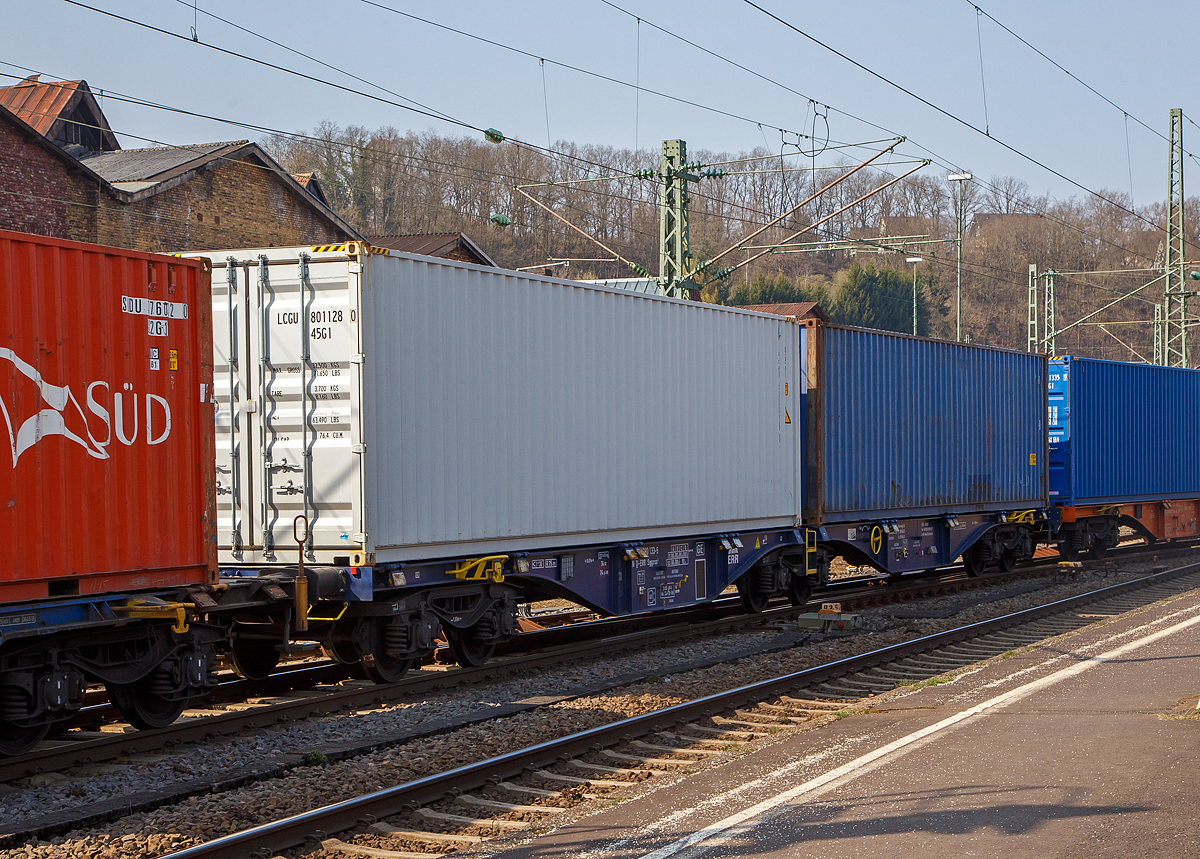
(915, 261)
(958, 219)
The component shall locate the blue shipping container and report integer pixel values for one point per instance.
(905, 426)
(1110, 422)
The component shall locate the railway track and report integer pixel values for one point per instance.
(90, 747)
(299, 675)
(97, 735)
(97, 812)
(530, 787)
(554, 628)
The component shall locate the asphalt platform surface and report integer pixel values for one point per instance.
(1079, 747)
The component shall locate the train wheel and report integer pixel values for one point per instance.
(755, 602)
(975, 560)
(799, 590)
(1008, 560)
(1068, 550)
(1098, 551)
(142, 708)
(16, 740)
(470, 651)
(342, 652)
(339, 644)
(377, 662)
(253, 661)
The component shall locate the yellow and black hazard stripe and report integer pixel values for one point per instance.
(349, 248)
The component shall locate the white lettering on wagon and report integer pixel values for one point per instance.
(18, 620)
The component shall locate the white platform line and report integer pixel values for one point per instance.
(861, 765)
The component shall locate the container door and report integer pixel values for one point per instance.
(309, 463)
(799, 417)
(230, 344)
(1059, 421)
(279, 473)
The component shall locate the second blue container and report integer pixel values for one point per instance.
(1113, 432)
(903, 426)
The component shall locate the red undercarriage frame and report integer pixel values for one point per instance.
(1093, 530)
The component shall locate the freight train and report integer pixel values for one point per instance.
(258, 452)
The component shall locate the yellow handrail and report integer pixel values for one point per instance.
(145, 609)
(481, 569)
(345, 606)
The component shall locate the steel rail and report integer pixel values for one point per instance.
(97, 813)
(224, 724)
(271, 838)
(291, 678)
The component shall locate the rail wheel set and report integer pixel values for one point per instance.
(250, 453)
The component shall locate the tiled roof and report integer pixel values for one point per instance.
(39, 104)
(310, 183)
(427, 244)
(142, 165)
(432, 245)
(793, 310)
(64, 112)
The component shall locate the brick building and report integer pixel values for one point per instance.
(43, 190)
(66, 176)
(208, 196)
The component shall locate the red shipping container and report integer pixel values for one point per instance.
(106, 420)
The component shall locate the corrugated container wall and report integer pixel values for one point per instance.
(105, 369)
(1111, 425)
(454, 409)
(904, 426)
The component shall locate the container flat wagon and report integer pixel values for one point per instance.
(1109, 465)
(404, 448)
(108, 562)
(458, 438)
(919, 451)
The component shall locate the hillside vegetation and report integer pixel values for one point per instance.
(387, 183)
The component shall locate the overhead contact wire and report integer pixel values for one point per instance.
(422, 112)
(982, 80)
(941, 160)
(951, 116)
(568, 66)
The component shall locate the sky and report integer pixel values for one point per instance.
(1016, 115)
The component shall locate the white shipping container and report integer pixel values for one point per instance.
(418, 408)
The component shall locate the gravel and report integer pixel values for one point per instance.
(205, 817)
